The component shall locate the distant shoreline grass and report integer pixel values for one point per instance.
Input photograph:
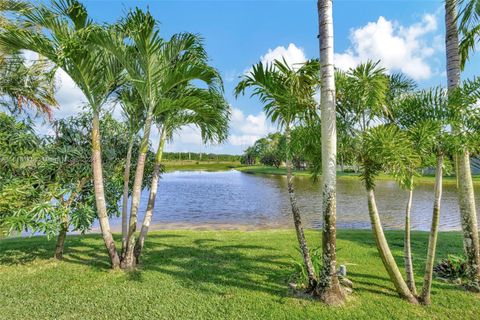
(214, 275)
(341, 175)
(193, 165)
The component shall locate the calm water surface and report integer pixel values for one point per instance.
(233, 199)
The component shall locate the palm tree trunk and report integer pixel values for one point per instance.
(407, 243)
(328, 287)
(297, 220)
(126, 181)
(153, 195)
(128, 262)
(468, 216)
(384, 250)
(432, 242)
(100, 192)
(466, 199)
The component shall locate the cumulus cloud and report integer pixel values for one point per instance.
(245, 130)
(70, 98)
(400, 48)
(292, 54)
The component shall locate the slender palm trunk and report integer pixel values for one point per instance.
(328, 287)
(466, 199)
(407, 243)
(385, 253)
(153, 195)
(297, 220)
(100, 193)
(128, 262)
(126, 181)
(432, 242)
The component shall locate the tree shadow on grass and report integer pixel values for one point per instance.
(448, 243)
(205, 264)
(210, 265)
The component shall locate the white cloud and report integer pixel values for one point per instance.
(245, 130)
(400, 48)
(70, 98)
(293, 55)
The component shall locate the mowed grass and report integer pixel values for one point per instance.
(192, 165)
(212, 275)
(343, 175)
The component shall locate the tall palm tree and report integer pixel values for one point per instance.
(187, 105)
(153, 67)
(62, 37)
(328, 286)
(287, 93)
(466, 199)
(133, 113)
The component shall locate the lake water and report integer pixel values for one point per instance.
(232, 199)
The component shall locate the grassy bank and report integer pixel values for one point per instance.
(212, 275)
(340, 175)
(192, 165)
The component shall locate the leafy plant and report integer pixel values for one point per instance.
(452, 268)
(300, 276)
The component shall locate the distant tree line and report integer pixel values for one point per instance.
(199, 156)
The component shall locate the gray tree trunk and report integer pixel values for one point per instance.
(385, 253)
(328, 287)
(128, 262)
(407, 244)
(126, 181)
(432, 242)
(100, 193)
(60, 245)
(466, 199)
(297, 220)
(153, 195)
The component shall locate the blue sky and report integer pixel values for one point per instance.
(407, 35)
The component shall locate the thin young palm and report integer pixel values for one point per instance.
(187, 105)
(153, 67)
(288, 96)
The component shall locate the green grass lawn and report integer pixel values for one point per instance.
(340, 175)
(212, 275)
(189, 165)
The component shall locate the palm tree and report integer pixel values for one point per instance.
(203, 108)
(466, 199)
(400, 89)
(288, 97)
(133, 113)
(363, 102)
(328, 286)
(154, 67)
(63, 38)
(386, 148)
(425, 117)
(25, 86)
(469, 27)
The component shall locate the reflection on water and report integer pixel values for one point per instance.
(261, 201)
